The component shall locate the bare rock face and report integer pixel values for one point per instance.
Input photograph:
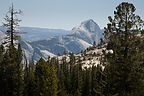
(77, 40)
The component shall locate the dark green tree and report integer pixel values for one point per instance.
(12, 57)
(45, 79)
(86, 90)
(2, 70)
(53, 79)
(29, 80)
(42, 72)
(76, 80)
(124, 68)
(19, 71)
(61, 83)
(12, 70)
(61, 80)
(98, 81)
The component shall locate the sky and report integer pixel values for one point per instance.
(65, 14)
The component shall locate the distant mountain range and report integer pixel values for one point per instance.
(35, 34)
(41, 42)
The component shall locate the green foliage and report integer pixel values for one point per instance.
(98, 81)
(2, 68)
(11, 72)
(122, 75)
(45, 79)
(124, 67)
(29, 80)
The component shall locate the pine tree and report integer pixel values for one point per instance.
(87, 82)
(12, 72)
(12, 22)
(29, 80)
(124, 67)
(76, 80)
(53, 79)
(98, 81)
(19, 69)
(94, 44)
(45, 79)
(42, 72)
(66, 68)
(12, 67)
(2, 70)
(61, 81)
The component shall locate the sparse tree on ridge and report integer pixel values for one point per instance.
(11, 23)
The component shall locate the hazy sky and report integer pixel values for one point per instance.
(65, 14)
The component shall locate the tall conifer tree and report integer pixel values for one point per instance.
(124, 67)
(11, 23)
(45, 79)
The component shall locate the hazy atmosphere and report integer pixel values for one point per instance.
(65, 14)
(71, 48)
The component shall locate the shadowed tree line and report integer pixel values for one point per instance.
(123, 74)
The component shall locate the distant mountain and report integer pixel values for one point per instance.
(58, 44)
(35, 34)
(52, 47)
(88, 31)
(34, 53)
(79, 39)
(39, 43)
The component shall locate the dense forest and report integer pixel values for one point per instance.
(120, 73)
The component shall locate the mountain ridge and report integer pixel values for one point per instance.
(78, 39)
(35, 33)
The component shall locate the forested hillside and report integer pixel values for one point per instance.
(113, 67)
